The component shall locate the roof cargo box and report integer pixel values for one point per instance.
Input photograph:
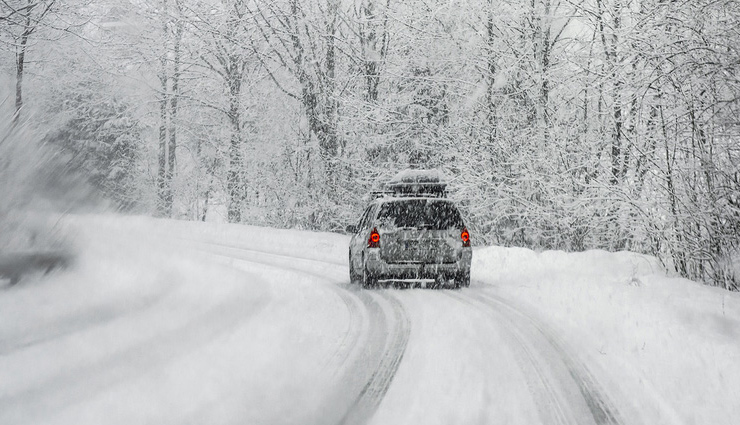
(418, 183)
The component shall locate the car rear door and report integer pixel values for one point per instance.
(420, 230)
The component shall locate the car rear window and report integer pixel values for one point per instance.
(420, 213)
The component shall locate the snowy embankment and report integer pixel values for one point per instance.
(678, 340)
(163, 321)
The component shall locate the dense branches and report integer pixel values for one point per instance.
(19, 21)
(301, 37)
(563, 124)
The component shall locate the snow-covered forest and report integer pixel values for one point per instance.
(562, 124)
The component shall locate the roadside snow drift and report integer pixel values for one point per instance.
(680, 340)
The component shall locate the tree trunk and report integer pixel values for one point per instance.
(20, 62)
(164, 176)
(492, 69)
(234, 178)
(374, 47)
(163, 183)
(330, 142)
(172, 147)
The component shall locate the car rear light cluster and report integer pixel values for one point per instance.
(374, 240)
(465, 236)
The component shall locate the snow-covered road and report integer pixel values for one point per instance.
(173, 322)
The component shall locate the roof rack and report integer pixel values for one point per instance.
(380, 193)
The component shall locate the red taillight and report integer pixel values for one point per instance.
(465, 236)
(374, 240)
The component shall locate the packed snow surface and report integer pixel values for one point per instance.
(171, 322)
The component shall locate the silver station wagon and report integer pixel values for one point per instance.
(411, 234)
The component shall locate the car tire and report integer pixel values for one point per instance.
(354, 278)
(462, 280)
(439, 283)
(368, 281)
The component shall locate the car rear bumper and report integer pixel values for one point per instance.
(379, 269)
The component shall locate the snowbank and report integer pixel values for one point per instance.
(677, 339)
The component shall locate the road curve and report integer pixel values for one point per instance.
(371, 349)
(564, 389)
(376, 349)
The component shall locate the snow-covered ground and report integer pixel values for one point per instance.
(163, 321)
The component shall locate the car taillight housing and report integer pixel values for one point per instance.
(374, 240)
(465, 236)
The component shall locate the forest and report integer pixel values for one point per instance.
(561, 124)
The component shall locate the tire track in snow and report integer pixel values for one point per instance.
(564, 389)
(349, 337)
(100, 315)
(73, 385)
(353, 304)
(370, 351)
(599, 403)
(387, 348)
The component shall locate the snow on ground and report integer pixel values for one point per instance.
(680, 340)
(162, 321)
(136, 332)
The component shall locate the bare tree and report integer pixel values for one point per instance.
(226, 35)
(20, 20)
(169, 80)
(374, 37)
(303, 42)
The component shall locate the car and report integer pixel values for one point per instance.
(411, 233)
